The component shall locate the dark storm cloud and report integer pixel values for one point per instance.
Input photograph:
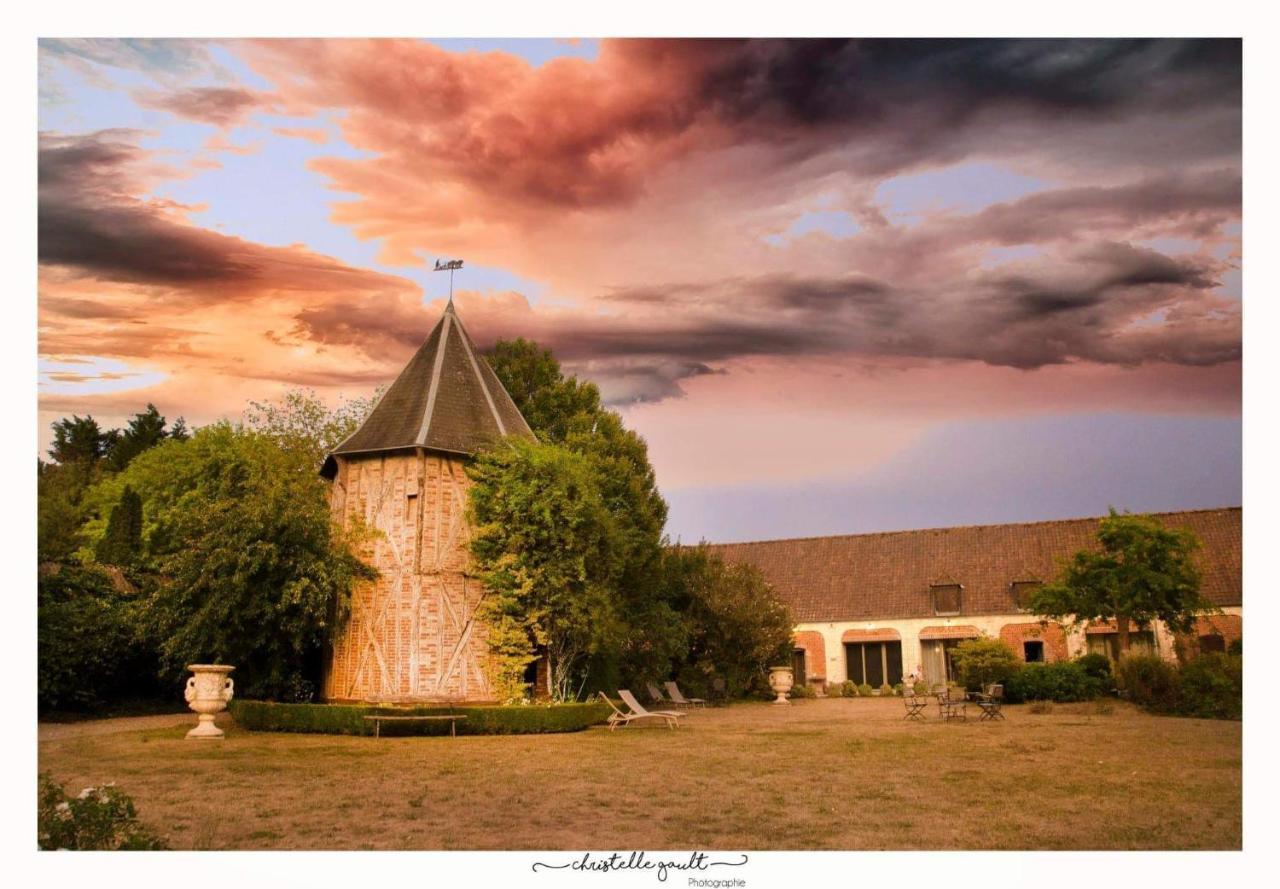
(91, 223)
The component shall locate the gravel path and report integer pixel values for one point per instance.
(52, 731)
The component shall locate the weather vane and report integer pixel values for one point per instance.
(449, 266)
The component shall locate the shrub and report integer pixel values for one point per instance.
(897, 689)
(89, 647)
(803, 690)
(99, 818)
(835, 690)
(344, 719)
(886, 690)
(983, 661)
(1096, 665)
(850, 688)
(1148, 681)
(865, 690)
(1063, 682)
(921, 687)
(1210, 687)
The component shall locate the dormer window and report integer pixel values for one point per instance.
(1022, 591)
(946, 598)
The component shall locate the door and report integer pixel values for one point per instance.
(933, 662)
(797, 666)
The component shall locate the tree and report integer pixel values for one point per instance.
(145, 430)
(545, 550)
(737, 626)
(984, 661)
(1143, 571)
(122, 541)
(567, 412)
(248, 567)
(301, 422)
(77, 440)
(59, 490)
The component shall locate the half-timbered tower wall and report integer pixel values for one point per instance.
(412, 633)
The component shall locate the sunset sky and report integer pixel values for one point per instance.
(839, 286)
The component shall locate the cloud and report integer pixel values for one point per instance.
(221, 106)
(132, 278)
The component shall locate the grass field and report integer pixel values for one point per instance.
(823, 774)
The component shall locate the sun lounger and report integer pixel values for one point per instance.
(677, 698)
(617, 717)
(655, 695)
(639, 710)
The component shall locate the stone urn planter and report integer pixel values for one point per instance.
(208, 692)
(780, 680)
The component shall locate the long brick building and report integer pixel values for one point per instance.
(877, 607)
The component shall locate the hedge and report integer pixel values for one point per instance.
(1063, 682)
(348, 719)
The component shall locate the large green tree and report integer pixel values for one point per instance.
(300, 422)
(121, 543)
(567, 412)
(249, 569)
(77, 440)
(737, 626)
(544, 543)
(1140, 572)
(145, 430)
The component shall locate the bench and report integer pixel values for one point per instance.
(378, 720)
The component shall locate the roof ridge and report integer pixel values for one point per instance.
(429, 411)
(1170, 512)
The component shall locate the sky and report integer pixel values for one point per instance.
(838, 285)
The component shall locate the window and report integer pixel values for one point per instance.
(1212, 642)
(1140, 642)
(1022, 591)
(946, 598)
(874, 663)
(1033, 652)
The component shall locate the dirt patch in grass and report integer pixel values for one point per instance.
(821, 774)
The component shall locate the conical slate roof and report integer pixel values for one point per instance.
(447, 398)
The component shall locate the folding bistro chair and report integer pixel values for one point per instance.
(990, 702)
(915, 705)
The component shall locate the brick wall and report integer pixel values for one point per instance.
(412, 634)
(815, 655)
(1055, 641)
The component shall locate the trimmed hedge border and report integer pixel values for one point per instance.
(348, 719)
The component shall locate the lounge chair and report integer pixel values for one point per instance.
(617, 717)
(655, 695)
(673, 691)
(915, 705)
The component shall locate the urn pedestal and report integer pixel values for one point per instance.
(208, 692)
(781, 680)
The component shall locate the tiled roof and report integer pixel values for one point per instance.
(447, 398)
(888, 575)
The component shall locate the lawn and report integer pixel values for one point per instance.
(822, 774)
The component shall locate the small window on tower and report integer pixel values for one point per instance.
(1033, 652)
(946, 598)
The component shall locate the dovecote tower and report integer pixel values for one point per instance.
(413, 633)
